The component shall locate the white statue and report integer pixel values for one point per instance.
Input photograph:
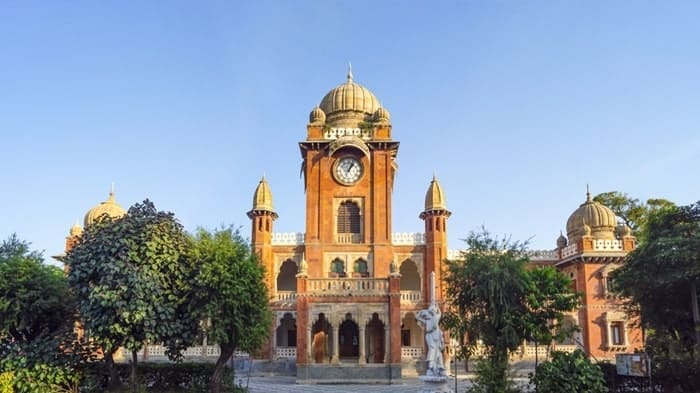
(430, 320)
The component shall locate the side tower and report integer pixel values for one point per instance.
(595, 247)
(262, 217)
(435, 216)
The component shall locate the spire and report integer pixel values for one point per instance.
(111, 192)
(349, 72)
(588, 194)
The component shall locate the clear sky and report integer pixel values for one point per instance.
(514, 105)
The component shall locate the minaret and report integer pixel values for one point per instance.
(262, 215)
(435, 216)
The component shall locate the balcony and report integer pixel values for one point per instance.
(348, 238)
(348, 286)
(286, 296)
(411, 297)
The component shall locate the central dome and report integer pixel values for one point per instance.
(349, 104)
(592, 218)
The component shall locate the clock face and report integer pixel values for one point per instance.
(347, 170)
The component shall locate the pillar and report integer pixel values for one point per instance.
(363, 344)
(336, 344)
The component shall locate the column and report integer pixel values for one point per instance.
(336, 344)
(309, 347)
(363, 344)
(387, 346)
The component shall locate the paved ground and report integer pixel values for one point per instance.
(288, 385)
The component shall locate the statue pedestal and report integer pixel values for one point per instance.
(433, 384)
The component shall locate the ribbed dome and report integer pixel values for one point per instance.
(435, 197)
(349, 104)
(600, 220)
(109, 207)
(262, 198)
(317, 116)
(382, 115)
(561, 241)
(76, 230)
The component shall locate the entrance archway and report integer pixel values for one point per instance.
(319, 342)
(375, 336)
(349, 340)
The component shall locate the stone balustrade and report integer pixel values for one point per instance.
(543, 255)
(335, 133)
(411, 296)
(287, 239)
(607, 245)
(287, 296)
(407, 238)
(157, 353)
(569, 250)
(349, 238)
(411, 352)
(348, 286)
(286, 352)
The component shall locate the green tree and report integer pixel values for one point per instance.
(569, 372)
(35, 299)
(134, 281)
(232, 293)
(548, 295)
(492, 296)
(38, 349)
(670, 254)
(631, 211)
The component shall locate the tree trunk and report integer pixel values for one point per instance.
(696, 312)
(132, 377)
(113, 381)
(217, 376)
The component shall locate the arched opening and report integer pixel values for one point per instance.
(376, 346)
(411, 337)
(337, 268)
(320, 331)
(287, 331)
(360, 268)
(286, 279)
(349, 340)
(410, 279)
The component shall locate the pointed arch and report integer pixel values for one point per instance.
(286, 278)
(410, 278)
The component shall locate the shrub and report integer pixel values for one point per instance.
(6, 382)
(568, 372)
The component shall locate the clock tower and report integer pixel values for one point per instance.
(346, 290)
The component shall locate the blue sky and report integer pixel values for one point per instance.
(515, 106)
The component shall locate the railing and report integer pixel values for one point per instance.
(607, 245)
(347, 238)
(543, 255)
(157, 352)
(286, 352)
(411, 296)
(287, 296)
(346, 286)
(565, 348)
(540, 351)
(569, 250)
(411, 352)
(407, 238)
(454, 254)
(287, 239)
(335, 133)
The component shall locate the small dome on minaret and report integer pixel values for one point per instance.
(262, 198)
(561, 241)
(76, 230)
(317, 116)
(435, 197)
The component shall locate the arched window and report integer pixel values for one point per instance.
(360, 268)
(349, 218)
(338, 267)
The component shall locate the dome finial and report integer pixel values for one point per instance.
(588, 193)
(111, 192)
(349, 72)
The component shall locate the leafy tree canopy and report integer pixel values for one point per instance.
(134, 281)
(631, 211)
(232, 293)
(494, 297)
(35, 299)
